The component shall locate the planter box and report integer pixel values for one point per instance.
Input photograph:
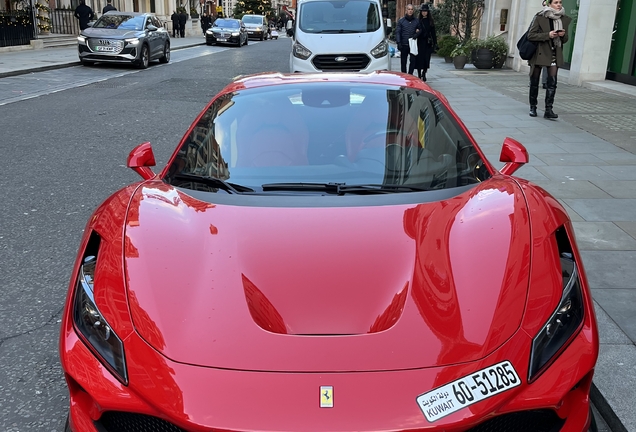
(460, 61)
(482, 58)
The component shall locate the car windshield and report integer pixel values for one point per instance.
(339, 16)
(226, 23)
(121, 22)
(250, 19)
(308, 137)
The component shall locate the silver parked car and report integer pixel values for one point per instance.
(124, 37)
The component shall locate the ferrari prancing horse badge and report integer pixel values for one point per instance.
(326, 397)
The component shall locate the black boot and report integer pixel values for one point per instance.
(534, 94)
(549, 98)
(423, 78)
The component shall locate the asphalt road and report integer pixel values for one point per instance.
(65, 136)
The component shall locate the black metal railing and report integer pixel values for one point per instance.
(16, 27)
(63, 21)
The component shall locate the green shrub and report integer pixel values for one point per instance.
(446, 44)
(499, 48)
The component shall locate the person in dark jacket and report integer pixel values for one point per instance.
(550, 29)
(183, 18)
(404, 31)
(84, 14)
(109, 7)
(175, 24)
(426, 40)
(206, 22)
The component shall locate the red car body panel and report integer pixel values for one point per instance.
(395, 287)
(234, 316)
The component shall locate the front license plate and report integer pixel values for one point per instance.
(221, 39)
(468, 390)
(105, 48)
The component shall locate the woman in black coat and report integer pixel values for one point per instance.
(426, 41)
(550, 29)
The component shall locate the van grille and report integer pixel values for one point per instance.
(341, 62)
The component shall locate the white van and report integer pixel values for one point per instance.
(339, 35)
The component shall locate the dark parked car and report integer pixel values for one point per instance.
(125, 37)
(227, 30)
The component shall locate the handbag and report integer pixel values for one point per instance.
(526, 47)
(413, 46)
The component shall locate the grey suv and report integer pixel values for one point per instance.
(124, 37)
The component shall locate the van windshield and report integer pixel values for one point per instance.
(339, 16)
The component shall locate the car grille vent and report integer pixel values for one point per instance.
(105, 45)
(523, 421)
(341, 62)
(116, 421)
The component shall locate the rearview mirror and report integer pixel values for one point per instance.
(140, 158)
(514, 154)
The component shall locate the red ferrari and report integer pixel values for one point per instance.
(329, 252)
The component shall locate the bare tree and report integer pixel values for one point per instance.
(460, 15)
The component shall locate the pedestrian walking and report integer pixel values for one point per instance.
(84, 14)
(426, 40)
(206, 22)
(404, 31)
(109, 7)
(175, 24)
(183, 18)
(550, 29)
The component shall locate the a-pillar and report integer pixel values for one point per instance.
(593, 40)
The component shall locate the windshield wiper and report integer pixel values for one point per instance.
(215, 182)
(341, 188)
(334, 31)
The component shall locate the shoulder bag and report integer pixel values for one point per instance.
(525, 46)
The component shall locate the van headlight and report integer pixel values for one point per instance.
(90, 323)
(381, 49)
(300, 51)
(563, 322)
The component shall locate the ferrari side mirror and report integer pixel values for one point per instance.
(514, 154)
(140, 158)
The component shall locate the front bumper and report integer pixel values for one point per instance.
(129, 54)
(255, 34)
(199, 399)
(212, 39)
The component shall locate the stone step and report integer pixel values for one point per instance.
(58, 40)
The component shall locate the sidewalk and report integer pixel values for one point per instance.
(31, 60)
(587, 160)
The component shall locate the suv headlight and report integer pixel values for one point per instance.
(563, 322)
(133, 41)
(81, 39)
(236, 34)
(300, 51)
(90, 323)
(381, 50)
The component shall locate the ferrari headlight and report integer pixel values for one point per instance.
(563, 322)
(92, 325)
(300, 51)
(133, 41)
(381, 50)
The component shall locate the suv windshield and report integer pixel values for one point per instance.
(339, 16)
(122, 22)
(251, 19)
(306, 138)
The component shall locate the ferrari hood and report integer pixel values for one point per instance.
(327, 289)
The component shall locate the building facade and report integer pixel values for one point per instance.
(602, 43)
